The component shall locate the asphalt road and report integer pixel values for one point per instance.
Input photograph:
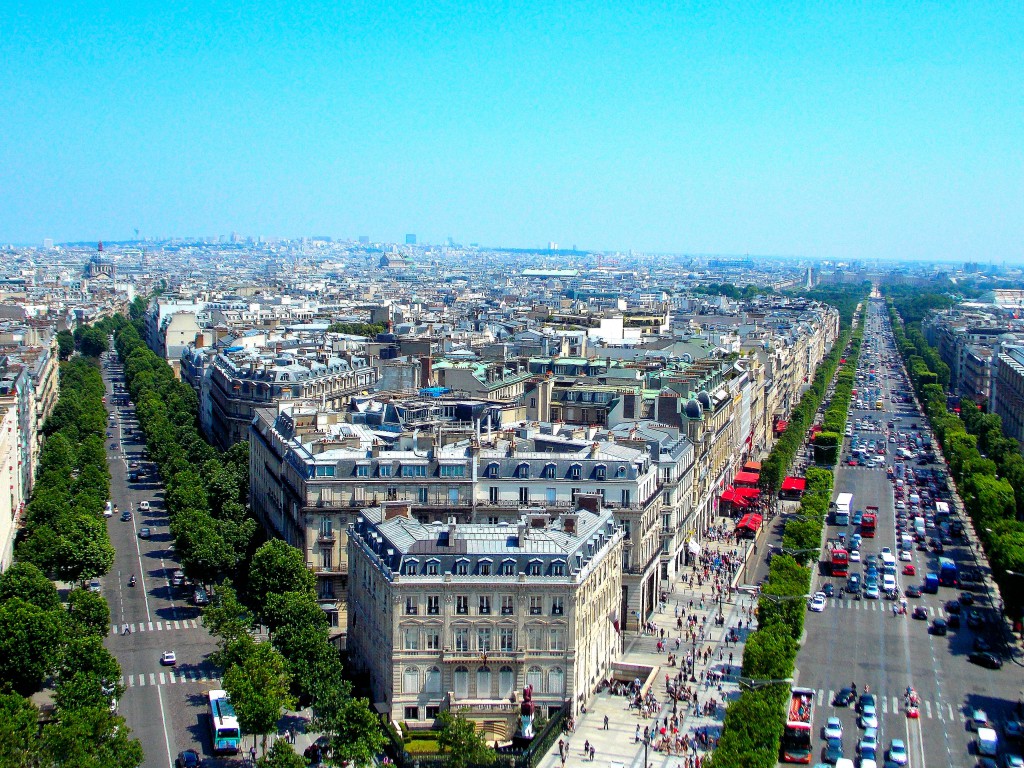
(164, 706)
(863, 641)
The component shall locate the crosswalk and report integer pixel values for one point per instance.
(929, 710)
(170, 678)
(885, 606)
(155, 626)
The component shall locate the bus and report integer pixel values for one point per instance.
(941, 511)
(869, 522)
(796, 738)
(224, 730)
(947, 572)
(840, 562)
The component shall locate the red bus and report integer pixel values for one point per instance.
(868, 524)
(840, 562)
(796, 737)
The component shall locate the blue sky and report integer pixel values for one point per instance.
(848, 130)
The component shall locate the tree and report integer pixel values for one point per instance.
(281, 755)
(26, 581)
(459, 740)
(85, 550)
(65, 344)
(354, 728)
(89, 610)
(91, 737)
(225, 616)
(259, 690)
(28, 643)
(19, 727)
(87, 674)
(277, 567)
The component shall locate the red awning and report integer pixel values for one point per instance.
(748, 493)
(730, 495)
(746, 478)
(751, 521)
(752, 466)
(794, 484)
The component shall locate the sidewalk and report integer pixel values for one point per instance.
(618, 747)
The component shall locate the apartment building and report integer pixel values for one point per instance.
(1008, 397)
(463, 617)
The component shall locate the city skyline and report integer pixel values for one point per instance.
(820, 133)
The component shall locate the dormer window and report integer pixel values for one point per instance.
(620, 472)
(483, 567)
(508, 568)
(492, 470)
(600, 472)
(549, 471)
(433, 567)
(575, 471)
(534, 568)
(523, 471)
(461, 568)
(558, 568)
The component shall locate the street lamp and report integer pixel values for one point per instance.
(752, 684)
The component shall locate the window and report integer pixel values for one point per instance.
(492, 470)
(412, 713)
(534, 568)
(411, 680)
(453, 470)
(506, 639)
(557, 639)
(433, 567)
(533, 402)
(462, 604)
(666, 498)
(410, 567)
(483, 683)
(558, 569)
(461, 567)
(627, 529)
(433, 605)
(556, 681)
(384, 470)
(433, 683)
(492, 520)
(533, 639)
(666, 522)
(620, 472)
(412, 639)
(485, 604)
(600, 471)
(434, 711)
(410, 606)
(549, 471)
(322, 471)
(508, 568)
(421, 495)
(327, 559)
(506, 682)
(492, 495)
(557, 606)
(484, 567)
(362, 471)
(575, 472)
(523, 470)
(461, 637)
(433, 640)
(483, 639)
(535, 678)
(414, 470)
(461, 683)
(535, 605)
(507, 605)
(524, 495)
(626, 497)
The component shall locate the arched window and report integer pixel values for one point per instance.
(492, 470)
(535, 677)
(411, 680)
(576, 471)
(461, 683)
(461, 567)
(549, 471)
(620, 472)
(523, 470)
(433, 680)
(508, 567)
(600, 472)
(556, 681)
(483, 683)
(506, 682)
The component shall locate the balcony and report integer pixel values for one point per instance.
(325, 537)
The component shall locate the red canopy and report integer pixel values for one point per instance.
(752, 466)
(794, 484)
(780, 425)
(750, 521)
(730, 495)
(746, 478)
(748, 493)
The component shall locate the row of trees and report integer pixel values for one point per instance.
(357, 329)
(254, 585)
(986, 465)
(45, 642)
(753, 727)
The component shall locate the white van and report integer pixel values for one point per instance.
(108, 510)
(906, 542)
(919, 527)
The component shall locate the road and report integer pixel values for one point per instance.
(164, 706)
(862, 641)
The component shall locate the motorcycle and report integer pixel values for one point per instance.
(131, 582)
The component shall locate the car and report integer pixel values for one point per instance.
(833, 750)
(868, 744)
(985, 659)
(199, 597)
(909, 570)
(953, 621)
(952, 606)
(817, 603)
(829, 590)
(1012, 761)
(886, 551)
(1014, 730)
(974, 618)
(920, 612)
(871, 592)
(144, 533)
(188, 759)
(844, 697)
(938, 627)
(94, 585)
(110, 434)
(168, 659)
(912, 591)
(143, 506)
(898, 752)
(978, 719)
(833, 728)
(866, 699)
(854, 556)
(868, 717)
(126, 516)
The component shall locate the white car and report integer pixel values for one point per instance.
(833, 728)
(898, 752)
(855, 556)
(143, 506)
(817, 603)
(870, 737)
(905, 555)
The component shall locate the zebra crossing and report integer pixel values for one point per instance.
(170, 678)
(878, 605)
(929, 710)
(155, 626)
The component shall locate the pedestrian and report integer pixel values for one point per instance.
(606, 722)
(252, 754)
(636, 734)
(592, 751)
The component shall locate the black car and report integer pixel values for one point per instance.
(975, 619)
(953, 621)
(966, 598)
(845, 697)
(913, 591)
(829, 590)
(126, 516)
(953, 606)
(865, 699)
(188, 759)
(938, 627)
(985, 659)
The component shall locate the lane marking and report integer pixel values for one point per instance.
(152, 679)
(163, 681)
(928, 708)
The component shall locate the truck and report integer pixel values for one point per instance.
(947, 572)
(931, 583)
(869, 522)
(844, 503)
(796, 737)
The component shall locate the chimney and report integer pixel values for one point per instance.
(589, 501)
(594, 448)
(451, 531)
(523, 532)
(393, 509)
